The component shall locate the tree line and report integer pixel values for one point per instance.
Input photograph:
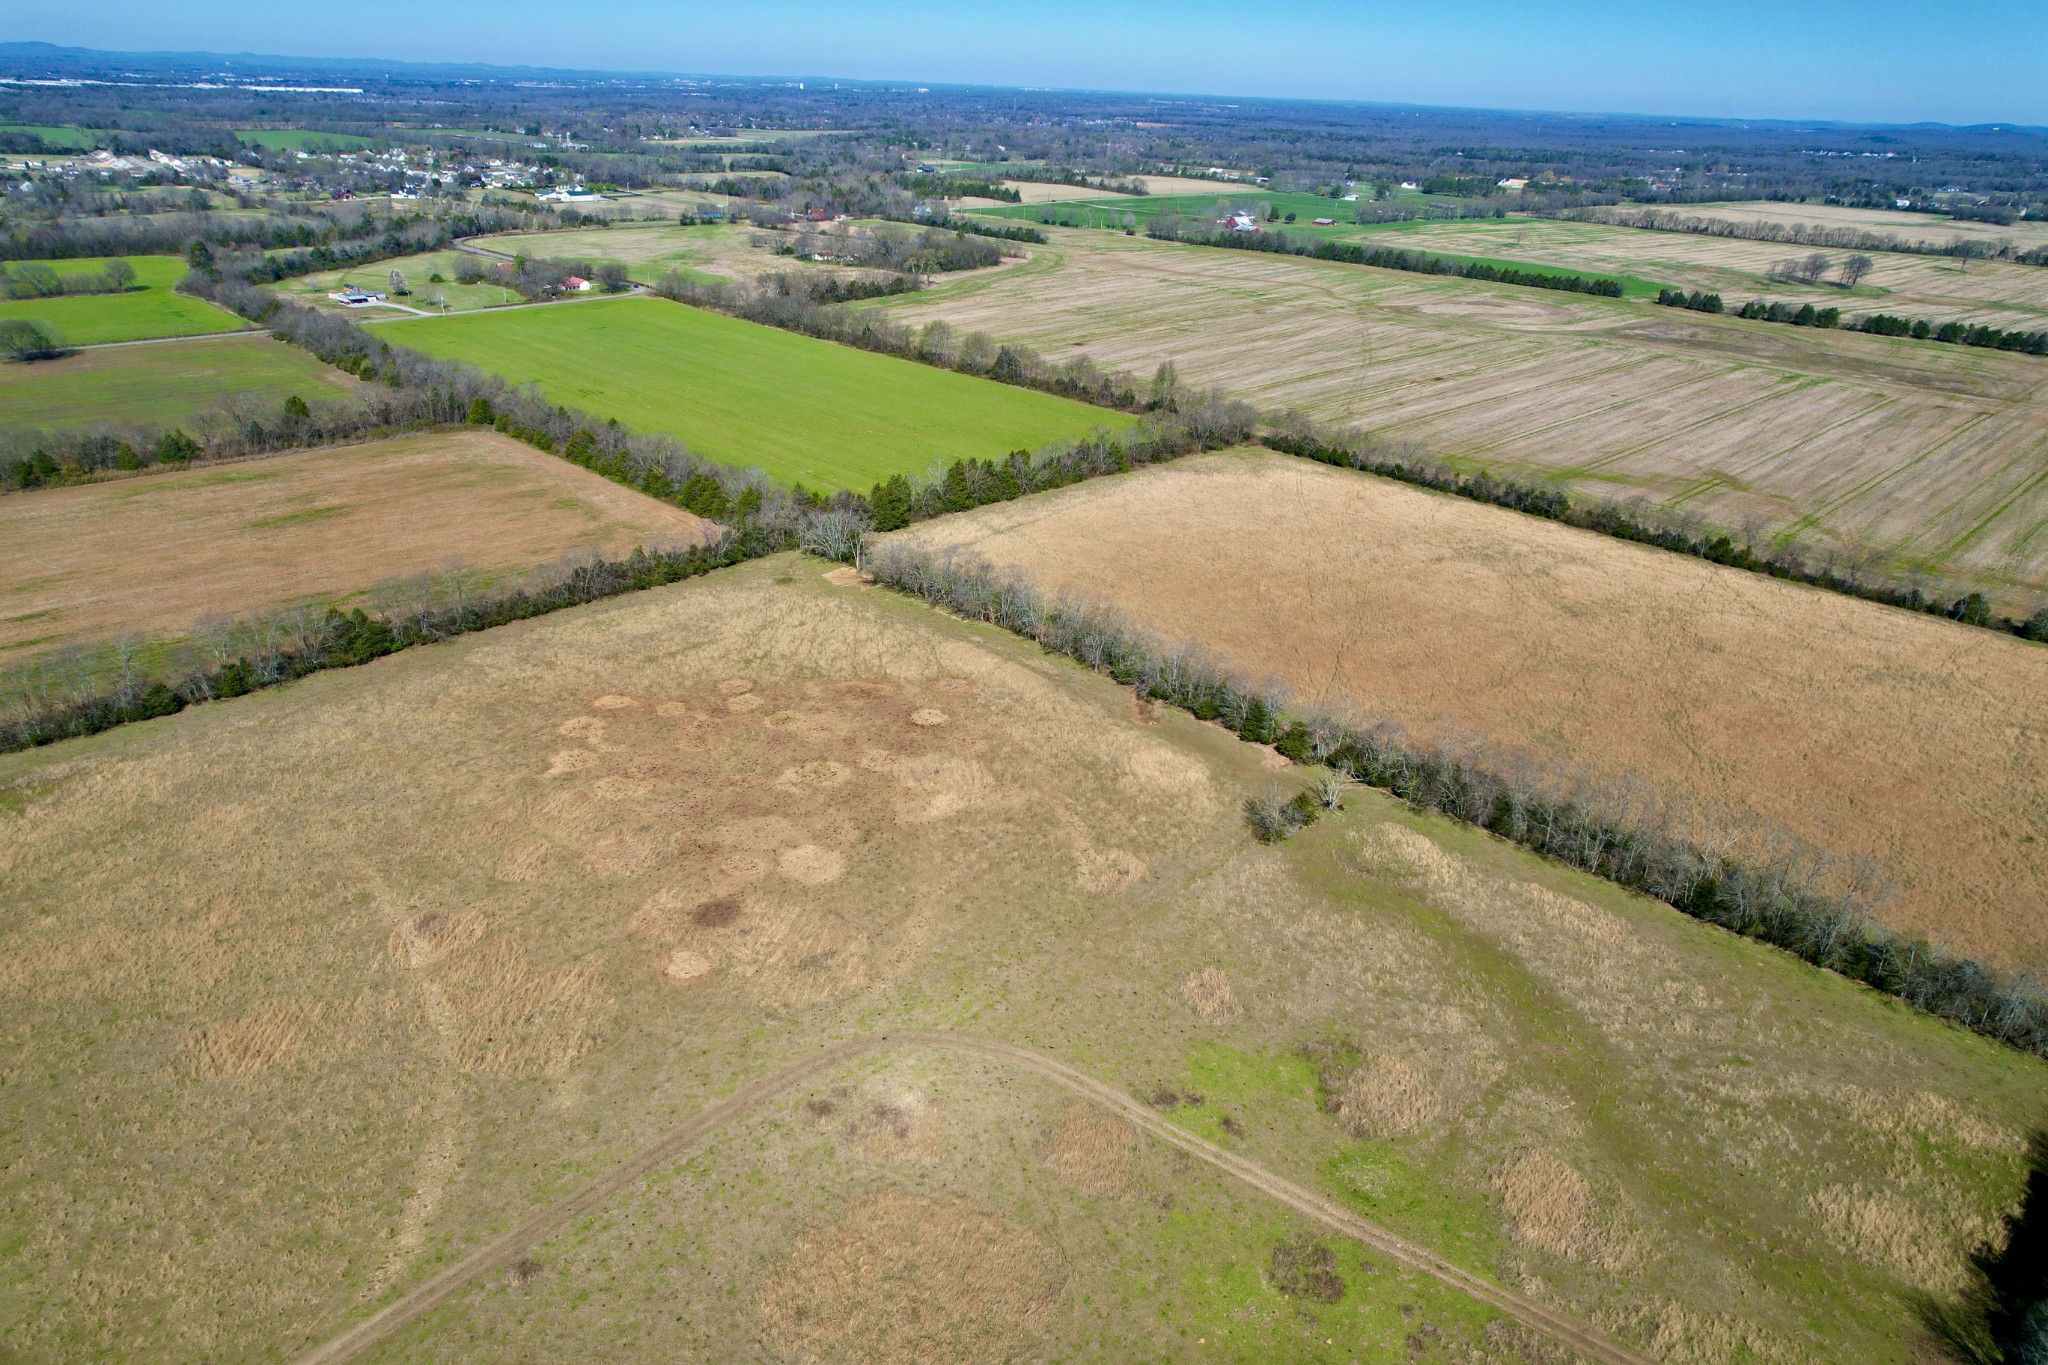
(34, 280)
(1785, 898)
(1349, 448)
(958, 187)
(1294, 433)
(1806, 234)
(1878, 324)
(70, 700)
(1383, 258)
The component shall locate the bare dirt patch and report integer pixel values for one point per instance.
(1759, 705)
(155, 553)
(895, 1277)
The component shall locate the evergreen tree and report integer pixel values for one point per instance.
(959, 494)
(890, 503)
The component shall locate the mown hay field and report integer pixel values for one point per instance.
(1862, 729)
(803, 410)
(161, 383)
(1927, 457)
(153, 554)
(1939, 288)
(701, 251)
(312, 992)
(148, 308)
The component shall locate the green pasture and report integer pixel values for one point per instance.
(418, 271)
(62, 137)
(803, 410)
(159, 385)
(304, 140)
(149, 309)
(649, 250)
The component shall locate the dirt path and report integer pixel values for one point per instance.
(507, 1246)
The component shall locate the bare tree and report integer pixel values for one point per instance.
(1814, 266)
(1855, 268)
(398, 286)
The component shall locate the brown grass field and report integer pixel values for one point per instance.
(1996, 293)
(1862, 729)
(313, 992)
(1928, 456)
(154, 553)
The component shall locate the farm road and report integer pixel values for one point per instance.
(507, 1247)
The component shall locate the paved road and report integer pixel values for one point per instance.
(538, 1224)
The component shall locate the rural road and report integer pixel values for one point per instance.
(507, 1247)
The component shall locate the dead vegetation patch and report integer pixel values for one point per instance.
(1884, 1229)
(1304, 1267)
(266, 1036)
(1549, 1205)
(895, 1277)
(1386, 1097)
(513, 1019)
(1207, 992)
(1091, 1151)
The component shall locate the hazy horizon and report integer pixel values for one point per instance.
(1816, 60)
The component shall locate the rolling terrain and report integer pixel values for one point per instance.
(403, 957)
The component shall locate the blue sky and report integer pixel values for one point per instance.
(1867, 60)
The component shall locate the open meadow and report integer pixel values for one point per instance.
(1927, 458)
(418, 270)
(149, 308)
(766, 968)
(152, 555)
(160, 383)
(803, 410)
(1762, 705)
(705, 252)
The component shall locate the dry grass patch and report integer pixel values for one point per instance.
(1549, 1205)
(1925, 454)
(1207, 992)
(1386, 1097)
(895, 1277)
(1760, 705)
(154, 553)
(1091, 1151)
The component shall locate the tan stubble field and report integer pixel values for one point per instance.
(1932, 457)
(1864, 730)
(152, 554)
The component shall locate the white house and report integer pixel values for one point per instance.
(571, 194)
(577, 283)
(352, 297)
(1239, 222)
